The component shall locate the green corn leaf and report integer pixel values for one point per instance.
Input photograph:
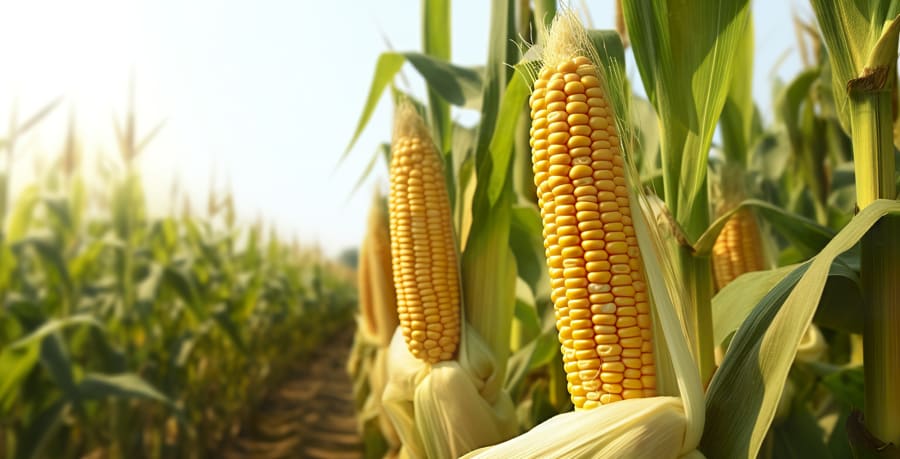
(837, 309)
(851, 30)
(501, 147)
(538, 352)
(56, 361)
(806, 235)
(20, 357)
(184, 286)
(51, 254)
(15, 364)
(738, 112)
(388, 65)
(225, 322)
(96, 386)
(21, 215)
(798, 436)
(686, 54)
(457, 85)
(545, 11)
(488, 270)
(39, 433)
(762, 351)
(528, 247)
(436, 43)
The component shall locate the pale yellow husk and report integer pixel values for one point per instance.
(651, 427)
(442, 410)
(373, 409)
(375, 326)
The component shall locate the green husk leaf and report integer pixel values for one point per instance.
(761, 353)
(687, 55)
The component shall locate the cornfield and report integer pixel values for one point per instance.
(125, 335)
(607, 262)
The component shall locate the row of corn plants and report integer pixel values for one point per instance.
(128, 335)
(587, 272)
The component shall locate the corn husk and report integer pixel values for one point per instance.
(375, 326)
(443, 410)
(650, 427)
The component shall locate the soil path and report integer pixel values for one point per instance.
(310, 416)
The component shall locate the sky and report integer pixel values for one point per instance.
(259, 96)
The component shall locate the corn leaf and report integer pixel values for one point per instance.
(36, 118)
(538, 352)
(851, 30)
(41, 430)
(95, 386)
(738, 112)
(15, 364)
(457, 85)
(436, 43)
(489, 279)
(488, 265)
(501, 147)
(528, 246)
(686, 54)
(20, 219)
(806, 235)
(56, 361)
(837, 309)
(798, 436)
(762, 351)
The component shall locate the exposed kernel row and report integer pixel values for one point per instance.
(597, 285)
(422, 249)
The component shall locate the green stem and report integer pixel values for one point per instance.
(873, 155)
(698, 281)
(881, 343)
(871, 123)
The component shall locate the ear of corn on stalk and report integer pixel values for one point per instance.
(650, 426)
(378, 311)
(437, 394)
(377, 258)
(738, 248)
(597, 281)
(426, 272)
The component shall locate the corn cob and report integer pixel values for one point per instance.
(423, 252)
(598, 289)
(364, 286)
(377, 248)
(738, 249)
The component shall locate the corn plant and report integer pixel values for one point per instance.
(127, 335)
(786, 323)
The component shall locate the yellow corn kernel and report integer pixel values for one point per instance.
(599, 296)
(738, 249)
(423, 252)
(378, 303)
